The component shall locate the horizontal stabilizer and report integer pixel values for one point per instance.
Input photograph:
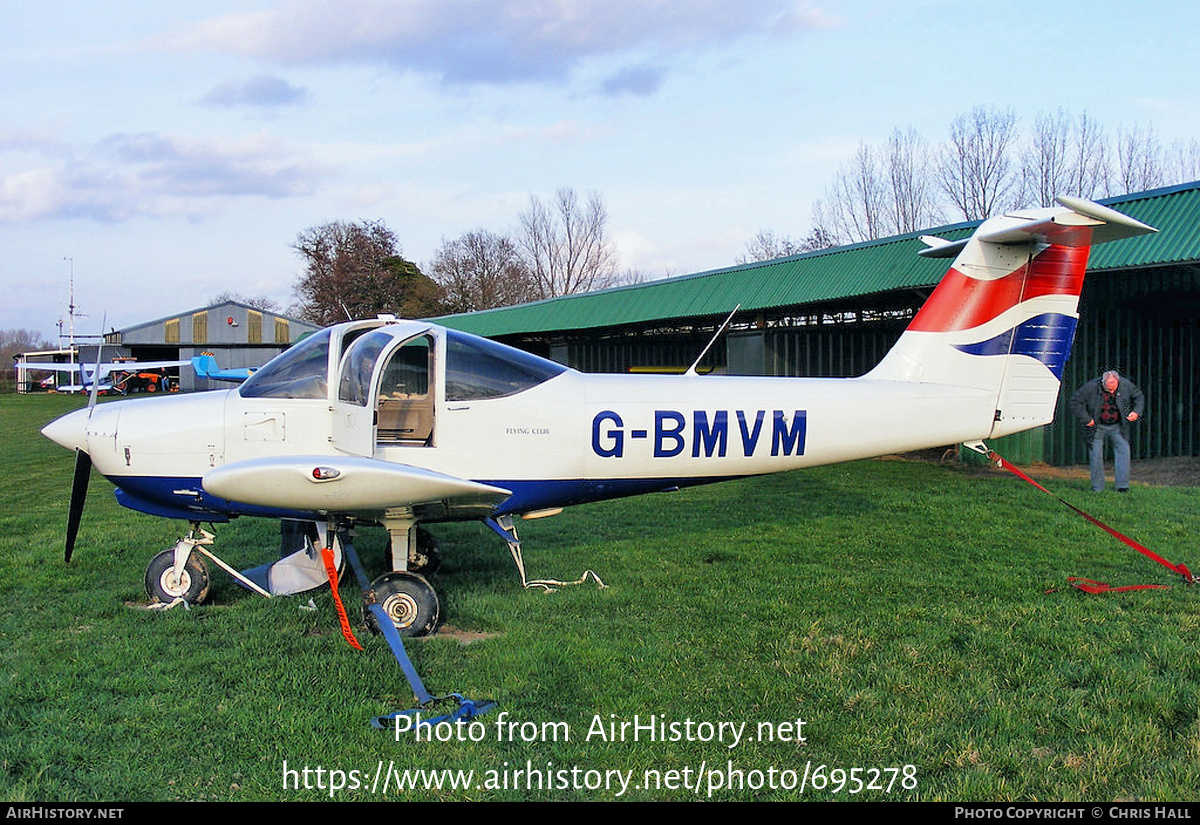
(205, 366)
(940, 248)
(1063, 227)
(1116, 224)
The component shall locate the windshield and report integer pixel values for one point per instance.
(479, 368)
(298, 373)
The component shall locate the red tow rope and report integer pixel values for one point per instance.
(1087, 585)
(343, 619)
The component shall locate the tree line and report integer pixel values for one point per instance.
(561, 246)
(985, 166)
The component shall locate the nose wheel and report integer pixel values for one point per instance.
(408, 600)
(164, 585)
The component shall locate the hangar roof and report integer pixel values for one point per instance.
(874, 267)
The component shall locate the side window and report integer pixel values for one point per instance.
(477, 368)
(405, 406)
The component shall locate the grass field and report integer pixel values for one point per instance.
(896, 608)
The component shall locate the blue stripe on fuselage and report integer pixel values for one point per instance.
(184, 498)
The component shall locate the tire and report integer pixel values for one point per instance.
(408, 600)
(192, 585)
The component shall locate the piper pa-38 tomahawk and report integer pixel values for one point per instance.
(121, 376)
(397, 422)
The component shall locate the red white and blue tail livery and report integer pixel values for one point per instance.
(1003, 317)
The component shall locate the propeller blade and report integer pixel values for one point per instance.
(79, 485)
(91, 406)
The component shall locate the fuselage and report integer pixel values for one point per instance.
(410, 393)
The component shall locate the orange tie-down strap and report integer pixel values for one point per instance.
(331, 571)
(1087, 585)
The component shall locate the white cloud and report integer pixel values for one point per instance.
(635, 80)
(261, 91)
(127, 175)
(482, 41)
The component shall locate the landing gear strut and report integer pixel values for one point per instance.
(181, 574)
(425, 558)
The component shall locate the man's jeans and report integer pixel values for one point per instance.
(1109, 432)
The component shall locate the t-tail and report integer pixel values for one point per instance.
(204, 365)
(1004, 315)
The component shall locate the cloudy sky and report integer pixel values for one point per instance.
(169, 151)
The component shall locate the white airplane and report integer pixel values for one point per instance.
(398, 422)
(86, 374)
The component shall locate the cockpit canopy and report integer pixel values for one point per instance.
(475, 367)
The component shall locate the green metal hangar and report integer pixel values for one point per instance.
(835, 312)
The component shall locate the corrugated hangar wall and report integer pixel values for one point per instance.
(1142, 323)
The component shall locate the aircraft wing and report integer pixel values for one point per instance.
(138, 366)
(51, 367)
(350, 484)
(106, 369)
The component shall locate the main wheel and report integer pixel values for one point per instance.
(408, 600)
(164, 587)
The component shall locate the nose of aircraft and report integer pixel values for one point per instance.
(70, 431)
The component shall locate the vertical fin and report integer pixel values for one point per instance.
(1003, 317)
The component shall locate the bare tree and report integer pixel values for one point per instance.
(976, 169)
(912, 194)
(767, 246)
(354, 270)
(1184, 160)
(1090, 163)
(565, 246)
(1063, 157)
(857, 198)
(1139, 160)
(260, 302)
(979, 171)
(481, 270)
(1046, 160)
(879, 192)
(13, 342)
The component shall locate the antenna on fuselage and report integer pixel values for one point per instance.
(720, 331)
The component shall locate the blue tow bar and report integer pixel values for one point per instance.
(466, 708)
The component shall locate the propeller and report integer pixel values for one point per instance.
(79, 486)
(83, 463)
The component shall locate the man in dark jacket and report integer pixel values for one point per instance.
(1106, 406)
